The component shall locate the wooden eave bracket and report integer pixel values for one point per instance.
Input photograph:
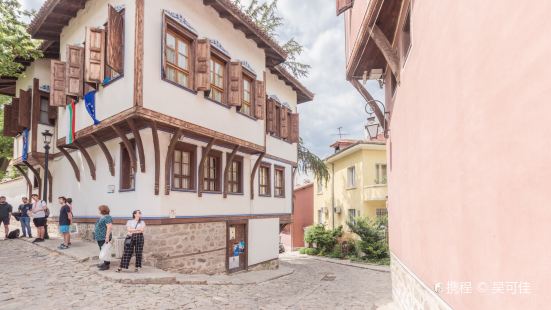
(370, 100)
(29, 183)
(204, 156)
(227, 169)
(88, 159)
(105, 151)
(71, 161)
(139, 143)
(155, 135)
(128, 147)
(253, 173)
(389, 53)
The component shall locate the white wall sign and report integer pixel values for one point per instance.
(110, 189)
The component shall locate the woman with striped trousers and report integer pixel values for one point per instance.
(135, 228)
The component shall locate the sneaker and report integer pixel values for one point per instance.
(63, 247)
(38, 240)
(104, 267)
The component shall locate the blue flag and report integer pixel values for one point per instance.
(25, 144)
(90, 102)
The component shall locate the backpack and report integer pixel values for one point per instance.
(14, 234)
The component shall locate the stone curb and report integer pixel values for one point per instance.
(349, 263)
(164, 277)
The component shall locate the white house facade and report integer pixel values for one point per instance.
(196, 125)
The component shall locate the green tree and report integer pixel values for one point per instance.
(373, 243)
(266, 16)
(310, 162)
(15, 42)
(6, 143)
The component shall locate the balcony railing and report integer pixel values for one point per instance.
(375, 192)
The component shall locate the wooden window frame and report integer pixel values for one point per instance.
(268, 179)
(218, 177)
(192, 149)
(280, 169)
(108, 70)
(278, 107)
(128, 164)
(379, 175)
(239, 181)
(349, 184)
(380, 212)
(49, 123)
(218, 57)
(249, 76)
(179, 32)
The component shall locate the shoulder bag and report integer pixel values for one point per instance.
(128, 239)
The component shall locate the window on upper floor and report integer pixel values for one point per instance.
(279, 181)
(381, 212)
(36, 184)
(320, 216)
(114, 42)
(127, 180)
(380, 174)
(235, 176)
(247, 103)
(264, 180)
(212, 172)
(352, 214)
(351, 177)
(183, 168)
(217, 79)
(178, 51)
(406, 36)
(45, 111)
(281, 122)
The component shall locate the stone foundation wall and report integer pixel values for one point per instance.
(186, 248)
(268, 265)
(409, 293)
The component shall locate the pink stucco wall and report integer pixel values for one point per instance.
(470, 182)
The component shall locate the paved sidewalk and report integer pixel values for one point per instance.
(86, 251)
(345, 262)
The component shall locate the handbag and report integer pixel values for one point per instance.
(128, 239)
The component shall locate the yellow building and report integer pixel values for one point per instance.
(357, 184)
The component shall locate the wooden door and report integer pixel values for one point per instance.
(237, 247)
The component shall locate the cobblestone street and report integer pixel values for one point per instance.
(35, 278)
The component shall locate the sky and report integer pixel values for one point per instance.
(314, 24)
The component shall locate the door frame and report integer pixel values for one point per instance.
(237, 222)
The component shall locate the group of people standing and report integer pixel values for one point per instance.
(37, 210)
(133, 243)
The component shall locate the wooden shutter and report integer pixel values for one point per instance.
(9, 130)
(115, 39)
(270, 116)
(260, 102)
(202, 65)
(15, 114)
(52, 113)
(24, 117)
(343, 5)
(236, 84)
(283, 119)
(57, 79)
(294, 132)
(94, 55)
(75, 68)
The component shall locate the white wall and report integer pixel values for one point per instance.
(263, 240)
(39, 69)
(117, 96)
(172, 100)
(14, 190)
(88, 194)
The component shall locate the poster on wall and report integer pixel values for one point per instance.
(236, 249)
(232, 232)
(234, 262)
(241, 247)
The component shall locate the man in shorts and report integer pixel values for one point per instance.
(65, 217)
(39, 216)
(5, 214)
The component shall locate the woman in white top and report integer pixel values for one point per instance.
(135, 228)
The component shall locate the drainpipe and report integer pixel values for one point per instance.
(333, 194)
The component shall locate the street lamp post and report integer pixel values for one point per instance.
(372, 126)
(47, 140)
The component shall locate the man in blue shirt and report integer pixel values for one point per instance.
(25, 220)
(65, 217)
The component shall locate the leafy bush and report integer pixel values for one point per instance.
(309, 251)
(324, 239)
(373, 244)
